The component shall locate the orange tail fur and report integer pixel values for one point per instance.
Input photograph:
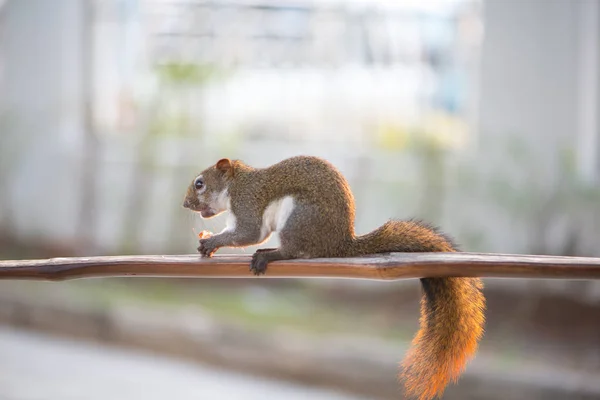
(452, 309)
(452, 320)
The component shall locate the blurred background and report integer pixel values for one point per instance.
(481, 116)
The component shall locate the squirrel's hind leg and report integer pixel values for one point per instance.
(308, 232)
(312, 232)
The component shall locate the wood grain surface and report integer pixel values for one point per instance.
(392, 266)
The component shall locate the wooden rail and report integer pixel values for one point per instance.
(378, 267)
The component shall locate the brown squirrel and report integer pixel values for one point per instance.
(309, 203)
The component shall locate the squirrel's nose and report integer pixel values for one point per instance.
(186, 203)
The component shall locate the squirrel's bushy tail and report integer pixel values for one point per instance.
(452, 322)
(452, 310)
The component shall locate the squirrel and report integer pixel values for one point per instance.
(308, 202)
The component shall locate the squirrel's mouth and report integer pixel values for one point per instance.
(204, 210)
(206, 213)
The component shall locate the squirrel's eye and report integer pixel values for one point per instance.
(198, 183)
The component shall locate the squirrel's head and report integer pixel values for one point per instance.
(208, 194)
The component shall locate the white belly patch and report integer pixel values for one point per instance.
(275, 216)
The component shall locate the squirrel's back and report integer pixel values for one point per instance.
(309, 178)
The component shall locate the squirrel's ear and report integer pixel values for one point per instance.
(225, 165)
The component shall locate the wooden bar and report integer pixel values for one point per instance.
(393, 266)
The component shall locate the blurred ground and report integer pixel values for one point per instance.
(39, 367)
(195, 324)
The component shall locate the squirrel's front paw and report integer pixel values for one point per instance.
(207, 246)
(258, 265)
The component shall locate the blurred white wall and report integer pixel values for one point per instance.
(540, 70)
(537, 81)
(42, 110)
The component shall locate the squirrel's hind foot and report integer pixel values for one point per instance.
(260, 259)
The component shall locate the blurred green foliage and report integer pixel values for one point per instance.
(261, 307)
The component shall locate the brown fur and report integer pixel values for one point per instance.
(322, 225)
